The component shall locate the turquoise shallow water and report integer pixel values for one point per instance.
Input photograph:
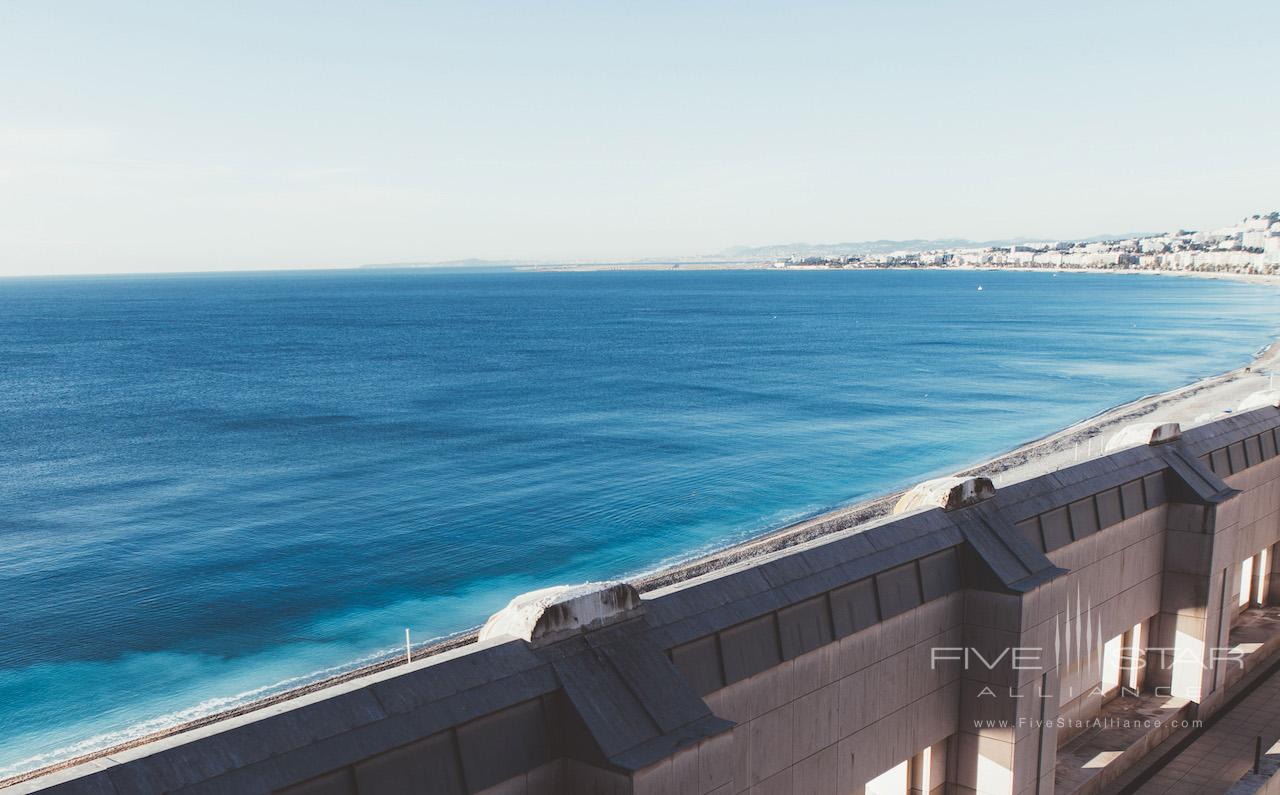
(218, 486)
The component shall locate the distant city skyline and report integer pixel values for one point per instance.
(149, 138)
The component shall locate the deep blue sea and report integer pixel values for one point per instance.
(216, 486)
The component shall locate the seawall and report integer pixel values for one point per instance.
(878, 658)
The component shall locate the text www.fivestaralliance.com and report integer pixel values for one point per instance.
(1094, 723)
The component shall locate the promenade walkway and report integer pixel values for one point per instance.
(1223, 753)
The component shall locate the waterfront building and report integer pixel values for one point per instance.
(1250, 247)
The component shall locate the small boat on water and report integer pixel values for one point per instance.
(979, 288)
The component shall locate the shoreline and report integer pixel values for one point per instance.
(1057, 449)
(1247, 278)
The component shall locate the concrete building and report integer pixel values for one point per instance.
(958, 646)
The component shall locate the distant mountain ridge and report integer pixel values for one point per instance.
(888, 246)
(776, 251)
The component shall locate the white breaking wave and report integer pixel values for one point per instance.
(204, 709)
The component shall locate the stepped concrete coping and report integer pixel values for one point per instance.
(1140, 433)
(550, 614)
(946, 493)
(1267, 397)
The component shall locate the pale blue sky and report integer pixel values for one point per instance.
(150, 136)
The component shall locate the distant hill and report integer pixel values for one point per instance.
(784, 250)
(756, 253)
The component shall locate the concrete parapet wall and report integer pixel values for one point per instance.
(862, 659)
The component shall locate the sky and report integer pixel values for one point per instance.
(147, 137)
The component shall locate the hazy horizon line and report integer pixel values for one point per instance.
(724, 255)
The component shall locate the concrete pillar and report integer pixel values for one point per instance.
(1198, 603)
(1185, 628)
(1273, 574)
(1138, 656)
(1006, 743)
(1261, 574)
(1225, 525)
(918, 774)
(938, 766)
(1127, 662)
(928, 770)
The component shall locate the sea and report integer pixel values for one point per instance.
(214, 487)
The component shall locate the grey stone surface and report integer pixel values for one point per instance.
(940, 574)
(699, 663)
(805, 626)
(749, 648)
(898, 590)
(426, 766)
(1055, 527)
(854, 607)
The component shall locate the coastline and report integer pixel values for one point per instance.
(1078, 442)
(1248, 278)
(1222, 391)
